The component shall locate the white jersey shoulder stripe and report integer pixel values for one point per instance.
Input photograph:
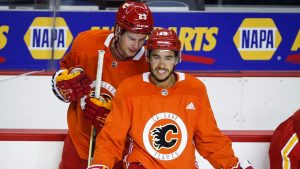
(146, 77)
(139, 55)
(181, 76)
(108, 39)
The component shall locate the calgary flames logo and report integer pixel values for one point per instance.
(159, 136)
(165, 136)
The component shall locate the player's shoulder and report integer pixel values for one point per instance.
(93, 34)
(286, 126)
(91, 39)
(138, 83)
(187, 84)
(189, 80)
(133, 81)
(296, 119)
(132, 86)
(297, 115)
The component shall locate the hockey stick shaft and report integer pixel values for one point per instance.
(97, 95)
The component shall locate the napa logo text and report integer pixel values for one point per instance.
(45, 41)
(257, 39)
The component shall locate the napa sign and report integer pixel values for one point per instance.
(33, 40)
(257, 39)
(48, 37)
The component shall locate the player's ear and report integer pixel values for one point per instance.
(147, 53)
(117, 31)
(178, 57)
(177, 61)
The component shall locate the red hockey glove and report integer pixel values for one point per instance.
(96, 111)
(98, 167)
(135, 165)
(72, 85)
(243, 165)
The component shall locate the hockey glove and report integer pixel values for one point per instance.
(243, 165)
(96, 111)
(98, 167)
(71, 85)
(135, 165)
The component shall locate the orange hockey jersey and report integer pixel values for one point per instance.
(84, 53)
(166, 126)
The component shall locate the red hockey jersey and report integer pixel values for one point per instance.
(166, 126)
(284, 151)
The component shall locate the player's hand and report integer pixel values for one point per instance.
(135, 165)
(243, 165)
(96, 111)
(73, 85)
(98, 167)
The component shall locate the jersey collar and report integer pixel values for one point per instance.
(181, 76)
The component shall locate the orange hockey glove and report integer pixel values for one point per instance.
(71, 85)
(96, 111)
(243, 165)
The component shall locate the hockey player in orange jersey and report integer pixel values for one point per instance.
(167, 115)
(75, 81)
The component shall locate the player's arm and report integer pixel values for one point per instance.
(209, 141)
(111, 139)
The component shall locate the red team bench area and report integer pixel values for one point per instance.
(59, 135)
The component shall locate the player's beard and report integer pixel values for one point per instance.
(161, 80)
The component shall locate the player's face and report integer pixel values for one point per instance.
(130, 43)
(162, 64)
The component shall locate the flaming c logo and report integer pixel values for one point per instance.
(159, 136)
(165, 136)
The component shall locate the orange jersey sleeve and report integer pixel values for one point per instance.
(84, 53)
(166, 126)
(209, 141)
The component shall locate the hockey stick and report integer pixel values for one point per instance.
(97, 95)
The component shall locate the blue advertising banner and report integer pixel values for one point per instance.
(34, 40)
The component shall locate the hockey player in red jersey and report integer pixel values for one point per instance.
(167, 115)
(74, 83)
(284, 151)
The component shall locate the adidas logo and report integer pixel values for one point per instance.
(190, 106)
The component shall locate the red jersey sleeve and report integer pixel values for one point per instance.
(284, 147)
